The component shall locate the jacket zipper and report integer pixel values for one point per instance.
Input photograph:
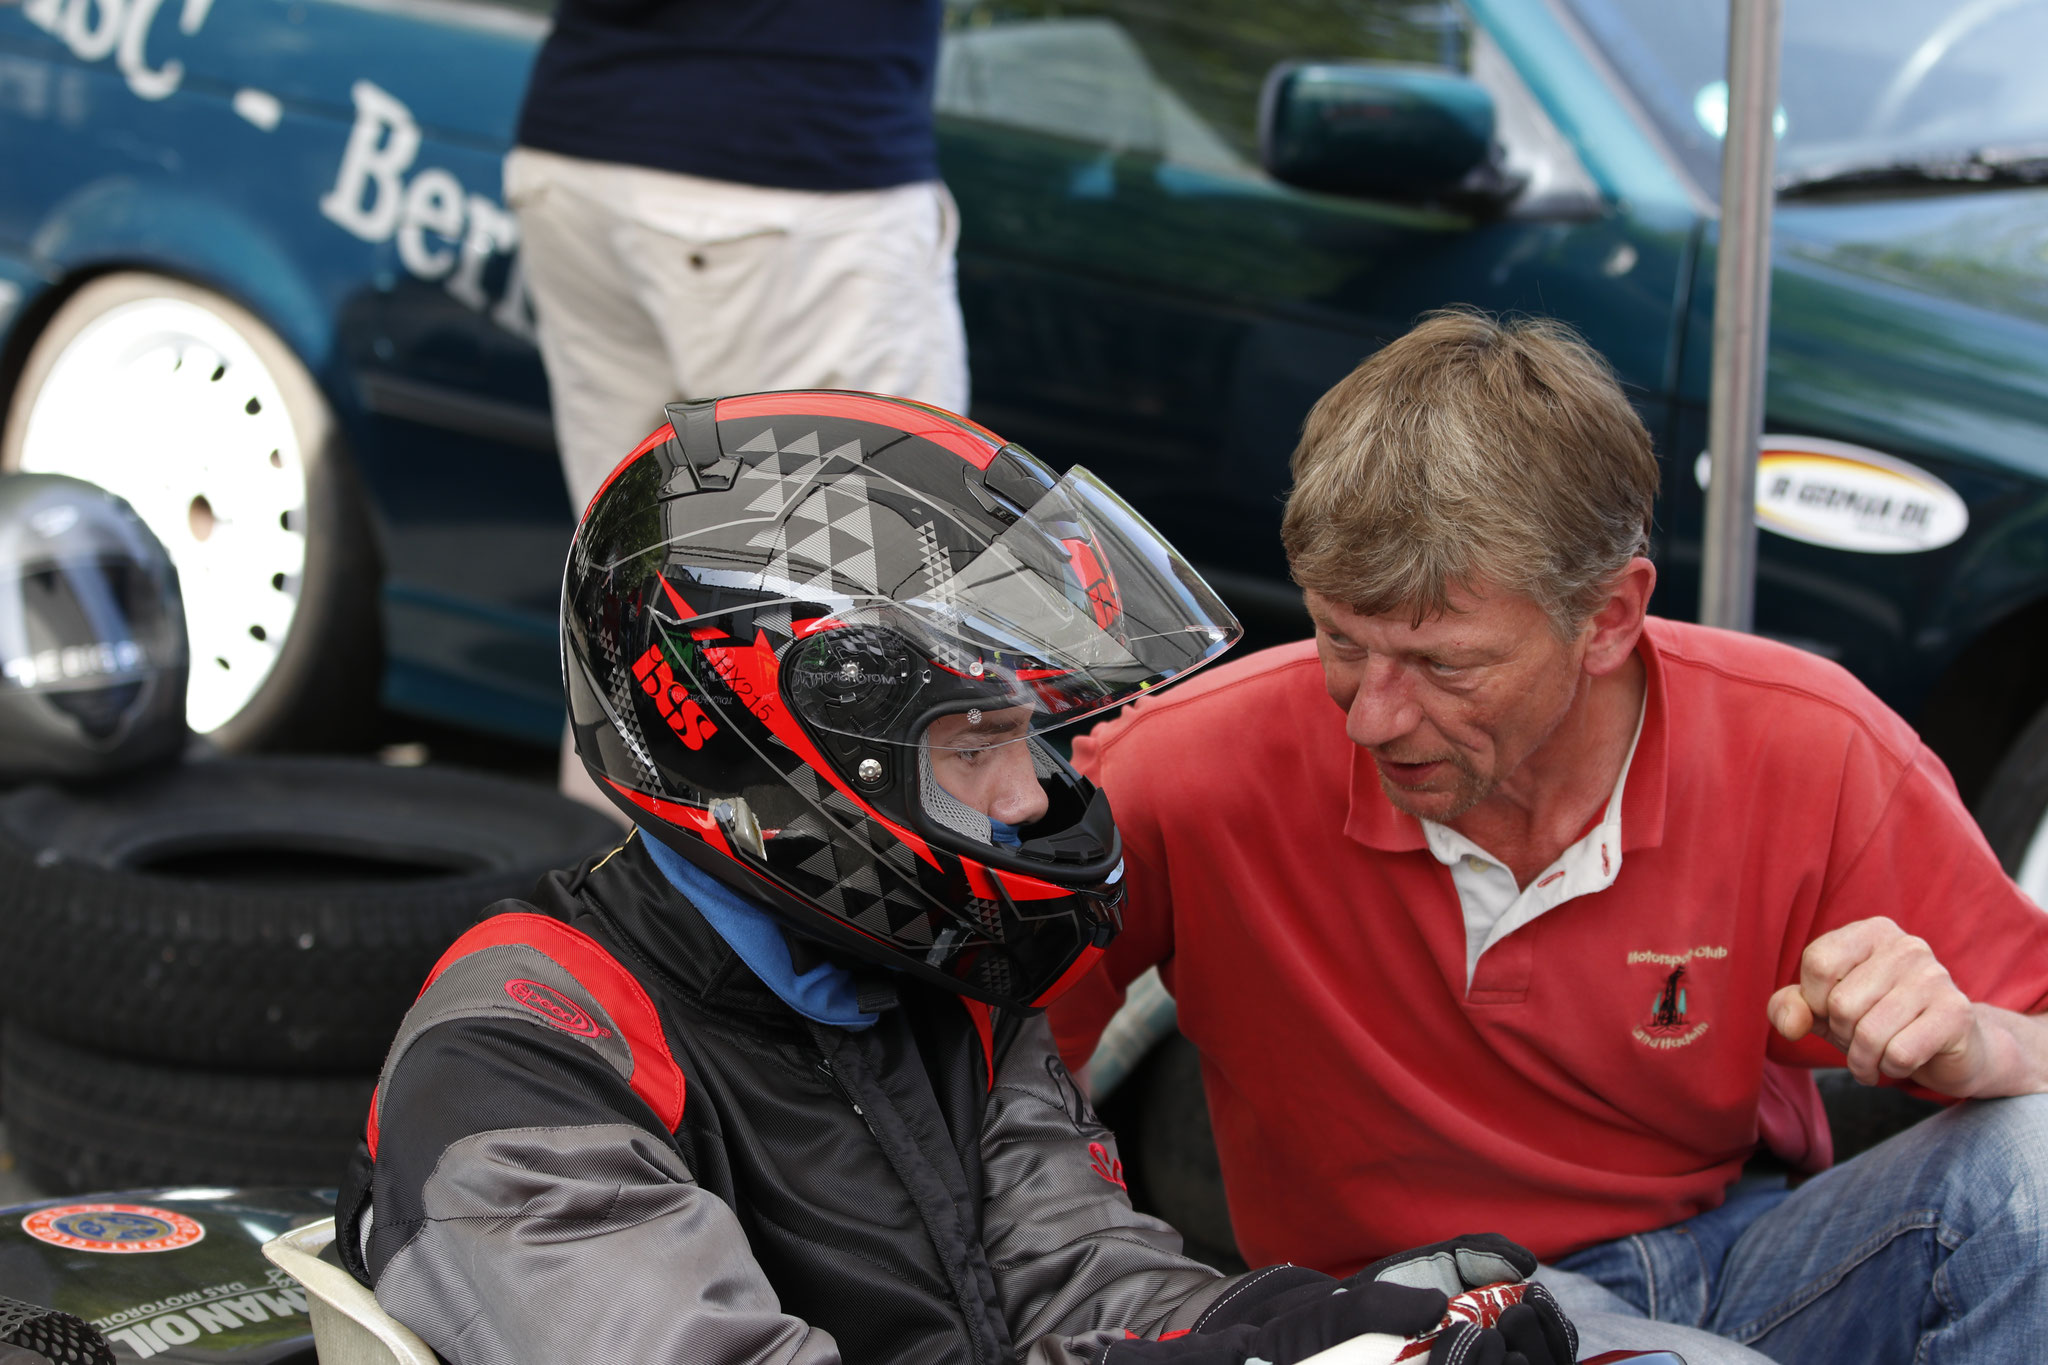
(931, 1233)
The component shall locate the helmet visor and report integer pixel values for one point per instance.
(86, 621)
(1077, 606)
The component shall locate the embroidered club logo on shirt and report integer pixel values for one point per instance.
(1671, 1022)
(118, 1229)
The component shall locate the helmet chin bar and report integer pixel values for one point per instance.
(845, 943)
(1076, 848)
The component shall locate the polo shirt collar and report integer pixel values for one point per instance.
(1373, 821)
(1642, 804)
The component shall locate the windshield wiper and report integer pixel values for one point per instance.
(1983, 166)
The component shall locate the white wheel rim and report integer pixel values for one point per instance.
(152, 401)
(2033, 873)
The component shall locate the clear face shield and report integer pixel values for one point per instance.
(1077, 607)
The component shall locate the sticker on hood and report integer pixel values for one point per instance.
(119, 1229)
(1849, 497)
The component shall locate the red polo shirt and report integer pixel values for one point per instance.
(1364, 1100)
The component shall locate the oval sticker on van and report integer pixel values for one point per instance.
(1852, 498)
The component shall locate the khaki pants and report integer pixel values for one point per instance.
(650, 286)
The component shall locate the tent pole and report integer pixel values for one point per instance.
(1742, 315)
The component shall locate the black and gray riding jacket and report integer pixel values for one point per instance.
(599, 1137)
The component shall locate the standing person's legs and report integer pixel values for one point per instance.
(851, 290)
(1925, 1249)
(608, 371)
(650, 286)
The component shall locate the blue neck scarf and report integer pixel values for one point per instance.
(825, 993)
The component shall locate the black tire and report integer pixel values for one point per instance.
(80, 1121)
(2013, 811)
(265, 913)
(317, 685)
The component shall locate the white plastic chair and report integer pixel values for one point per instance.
(349, 1327)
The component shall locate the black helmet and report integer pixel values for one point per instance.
(92, 634)
(773, 599)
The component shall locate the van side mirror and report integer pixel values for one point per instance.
(1373, 129)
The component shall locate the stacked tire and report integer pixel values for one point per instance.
(203, 965)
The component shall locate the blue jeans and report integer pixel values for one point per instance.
(1931, 1248)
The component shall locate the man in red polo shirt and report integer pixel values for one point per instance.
(1537, 927)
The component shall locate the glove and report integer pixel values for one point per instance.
(1282, 1315)
(1466, 1300)
(1495, 1316)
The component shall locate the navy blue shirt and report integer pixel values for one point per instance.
(796, 94)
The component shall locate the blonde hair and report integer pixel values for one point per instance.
(1471, 452)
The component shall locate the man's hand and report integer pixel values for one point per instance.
(1879, 994)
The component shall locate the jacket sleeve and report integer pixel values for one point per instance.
(527, 1204)
(1072, 1259)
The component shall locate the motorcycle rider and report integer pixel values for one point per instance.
(769, 1081)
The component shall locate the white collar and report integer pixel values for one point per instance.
(1494, 906)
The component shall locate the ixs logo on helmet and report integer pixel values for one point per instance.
(684, 715)
(550, 1005)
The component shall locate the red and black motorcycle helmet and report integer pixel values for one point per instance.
(772, 599)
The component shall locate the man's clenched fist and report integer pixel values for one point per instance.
(1880, 995)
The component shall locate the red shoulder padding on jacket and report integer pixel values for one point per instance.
(656, 1077)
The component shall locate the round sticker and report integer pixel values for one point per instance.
(116, 1228)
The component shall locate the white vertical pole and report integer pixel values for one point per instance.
(1742, 315)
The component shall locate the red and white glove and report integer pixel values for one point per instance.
(1494, 1314)
(1461, 1302)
